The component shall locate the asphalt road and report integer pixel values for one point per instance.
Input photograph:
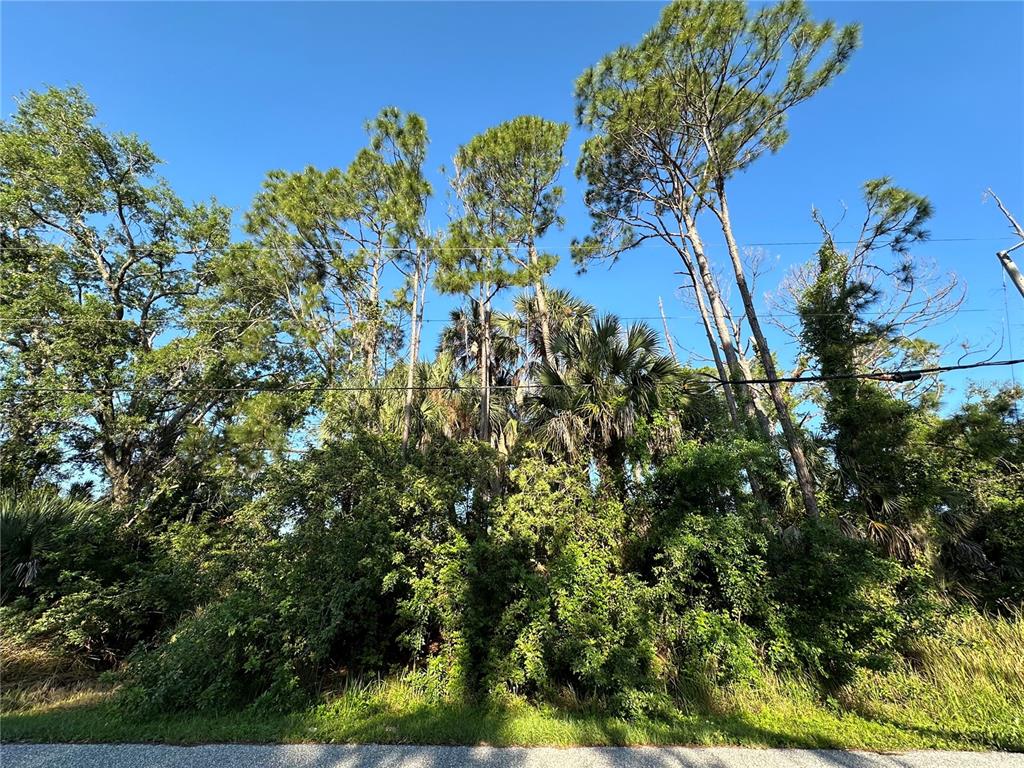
(374, 756)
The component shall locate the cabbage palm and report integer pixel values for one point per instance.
(447, 400)
(30, 524)
(461, 338)
(563, 311)
(605, 379)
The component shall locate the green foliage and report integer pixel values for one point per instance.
(963, 691)
(104, 286)
(31, 524)
(700, 546)
(229, 653)
(703, 95)
(844, 607)
(884, 482)
(548, 600)
(355, 517)
(504, 181)
(326, 240)
(981, 518)
(603, 380)
(98, 589)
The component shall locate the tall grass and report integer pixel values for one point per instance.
(964, 690)
(36, 676)
(969, 681)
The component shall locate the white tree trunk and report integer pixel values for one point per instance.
(738, 366)
(803, 472)
(484, 366)
(542, 312)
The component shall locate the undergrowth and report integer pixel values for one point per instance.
(961, 690)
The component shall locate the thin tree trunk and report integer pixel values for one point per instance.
(737, 364)
(730, 398)
(702, 309)
(542, 312)
(803, 472)
(664, 324)
(414, 352)
(484, 366)
(372, 333)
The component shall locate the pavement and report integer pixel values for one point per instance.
(381, 756)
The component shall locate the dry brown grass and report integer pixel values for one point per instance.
(32, 676)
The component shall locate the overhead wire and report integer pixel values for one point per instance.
(564, 248)
(899, 375)
(42, 319)
(896, 375)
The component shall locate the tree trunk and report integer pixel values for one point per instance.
(737, 365)
(542, 312)
(803, 472)
(730, 400)
(372, 333)
(484, 366)
(668, 336)
(118, 474)
(414, 353)
(611, 469)
(702, 309)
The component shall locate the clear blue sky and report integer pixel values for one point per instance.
(225, 91)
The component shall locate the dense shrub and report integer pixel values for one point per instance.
(981, 520)
(229, 653)
(329, 582)
(357, 561)
(699, 543)
(843, 605)
(89, 585)
(548, 600)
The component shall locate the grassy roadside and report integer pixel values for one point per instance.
(965, 691)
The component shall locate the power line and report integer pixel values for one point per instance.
(516, 247)
(285, 390)
(43, 320)
(897, 376)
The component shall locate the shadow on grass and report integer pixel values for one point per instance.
(425, 723)
(1010, 741)
(397, 713)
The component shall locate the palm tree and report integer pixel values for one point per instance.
(30, 524)
(461, 338)
(604, 380)
(448, 400)
(517, 348)
(523, 323)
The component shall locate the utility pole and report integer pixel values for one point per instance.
(1004, 256)
(1011, 268)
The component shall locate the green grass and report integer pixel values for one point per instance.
(965, 691)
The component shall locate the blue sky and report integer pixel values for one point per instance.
(225, 91)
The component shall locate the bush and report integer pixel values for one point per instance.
(700, 546)
(547, 601)
(332, 580)
(87, 585)
(844, 606)
(358, 561)
(229, 653)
